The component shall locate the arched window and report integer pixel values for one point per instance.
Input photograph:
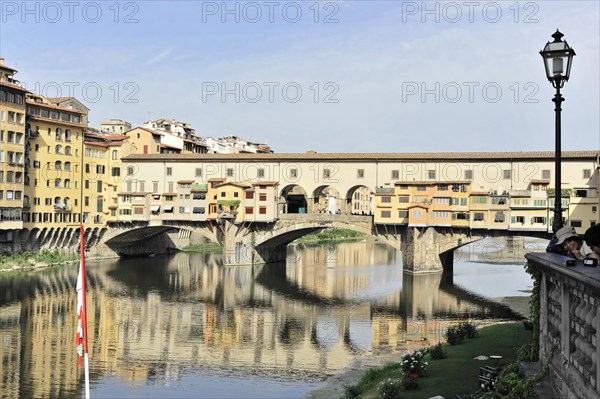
(115, 155)
(67, 150)
(57, 165)
(67, 134)
(67, 165)
(67, 202)
(67, 183)
(56, 201)
(58, 134)
(57, 183)
(58, 149)
(26, 201)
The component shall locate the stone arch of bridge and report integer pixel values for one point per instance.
(293, 199)
(361, 205)
(273, 247)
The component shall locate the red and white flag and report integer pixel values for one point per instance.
(80, 336)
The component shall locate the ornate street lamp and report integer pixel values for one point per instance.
(558, 57)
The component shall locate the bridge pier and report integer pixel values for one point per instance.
(431, 249)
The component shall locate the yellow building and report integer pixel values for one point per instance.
(13, 152)
(54, 161)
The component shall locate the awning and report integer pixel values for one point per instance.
(167, 208)
(154, 208)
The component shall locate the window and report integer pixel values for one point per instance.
(499, 217)
(130, 171)
(360, 173)
(518, 219)
(506, 174)
(431, 174)
(478, 217)
(386, 214)
(199, 210)
(402, 214)
(326, 173)
(542, 220)
(58, 134)
(115, 171)
(480, 200)
(249, 210)
(293, 173)
(538, 202)
(198, 172)
(260, 173)
(262, 197)
(154, 186)
(99, 186)
(469, 174)
(262, 210)
(222, 194)
(199, 196)
(581, 193)
(142, 186)
(442, 187)
(587, 173)
(546, 174)
(169, 171)
(442, 201)
(170, 186)
(440, 215)
(417, 213)
(86, 201)
(235, 194)
(395, 174)
(386, 200)
(229, 172)
(249, 194)
(421, 188)
(403, 199)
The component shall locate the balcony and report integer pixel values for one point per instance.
(519, 193)
(62, 208)
(569, 321)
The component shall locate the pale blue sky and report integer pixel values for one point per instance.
(373, 60)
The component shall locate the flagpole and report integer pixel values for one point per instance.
(84, 316)
(82, 271)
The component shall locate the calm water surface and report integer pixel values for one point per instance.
(185, 326)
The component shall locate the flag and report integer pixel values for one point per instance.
(80, 336)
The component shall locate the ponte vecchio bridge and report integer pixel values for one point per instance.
(314, 191)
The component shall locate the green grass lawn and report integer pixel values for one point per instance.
(458, 373)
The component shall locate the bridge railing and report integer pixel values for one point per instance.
(326, 217)
(570, 320)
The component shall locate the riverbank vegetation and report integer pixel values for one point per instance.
(27, 260)
(451, 371)
(203, 247)
(332, 235)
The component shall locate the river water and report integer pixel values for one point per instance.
(184, 326)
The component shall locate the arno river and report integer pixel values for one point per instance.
(184, 326)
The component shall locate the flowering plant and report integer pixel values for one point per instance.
(437, 351)
(410, 381)
(390, 389)
(413, 363)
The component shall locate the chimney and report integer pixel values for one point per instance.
(1, 60)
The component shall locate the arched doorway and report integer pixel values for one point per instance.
(327, 200)
(293, 200)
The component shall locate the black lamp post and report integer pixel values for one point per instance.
(558, 57)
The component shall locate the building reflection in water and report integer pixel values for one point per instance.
(155, 319)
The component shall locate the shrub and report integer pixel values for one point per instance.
(438, 352)
(455, 335)
(390, 389)
(412, 363)
(410, 381)
(469, 329)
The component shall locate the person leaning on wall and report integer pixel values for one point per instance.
(567, 242)
(592, 239)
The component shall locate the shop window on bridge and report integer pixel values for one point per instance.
(403, 199)
(442, 187)
(418, 214)
(538, 220)
(478, 217)
(421, 188)
(199, 210)
(386, 214)
(201, 196)
(499, 200)
(499, 217)
(402, 214)
(517, 219)
(386, 200)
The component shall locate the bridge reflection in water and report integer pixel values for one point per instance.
(156, 319)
